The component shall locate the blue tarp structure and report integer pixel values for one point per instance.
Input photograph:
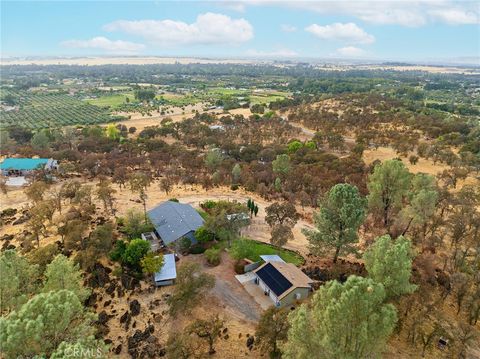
(23, 164)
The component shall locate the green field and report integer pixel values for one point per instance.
(111, 100)
(37, 111)
(179, 100)
(247, 248)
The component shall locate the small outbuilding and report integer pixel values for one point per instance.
(23, 166)
(173, 220)
(168, 272)
(283, 282)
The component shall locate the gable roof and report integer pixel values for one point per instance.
(282, 277)
(168, 270)
(173, 220)
(23, 164)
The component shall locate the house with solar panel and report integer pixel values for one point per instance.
(24, 166)
(173, 220)
(284, 283)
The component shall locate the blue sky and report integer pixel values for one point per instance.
(393, 30)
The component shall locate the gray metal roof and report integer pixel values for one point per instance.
(174, 220)
(271, 258)
(168, 270)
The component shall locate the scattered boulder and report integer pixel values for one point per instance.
(126, 318)
(100, 276)
(157, 318)
(118, 349)
(91, 300)
(23, 218)
(7, 237)
(103, 317)
(138, 337)
(129, 282)
(8, 212)
(134, 307)
(111, 289)
(250, 342)
(120, 292)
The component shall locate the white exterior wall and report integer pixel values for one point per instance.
(265, 288)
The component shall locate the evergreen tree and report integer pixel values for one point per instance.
(62, 273)
(236, 173)
(281, 165)
(390, 263)
(343, 321)
(388, 185)
(341, 214)
(17, 280)
(40, 326)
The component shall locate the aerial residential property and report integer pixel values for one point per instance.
(228, 179)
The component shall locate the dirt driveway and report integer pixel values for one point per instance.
(229, 293)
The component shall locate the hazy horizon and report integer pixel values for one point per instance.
(404, 31)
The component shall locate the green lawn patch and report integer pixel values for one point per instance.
(247, 248)
(111, 100)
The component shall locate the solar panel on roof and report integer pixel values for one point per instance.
(277, 283)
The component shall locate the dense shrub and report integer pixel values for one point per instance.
(117, 253)
(184, 244)
(203, 235)
(196, 249)
(213, 256)
(239, 266)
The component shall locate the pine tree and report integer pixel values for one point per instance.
(390, 263)
(341, 214)
(43, 323)
(388, 186)
(62, 273)
(343, 321)
(17, 280)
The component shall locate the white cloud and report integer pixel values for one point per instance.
(102, 43)
(272, 54)
(350, 51)
(348, 32)
(456, 16)
(208, 28)
(288, 28)
(410, 13)
(238, 6)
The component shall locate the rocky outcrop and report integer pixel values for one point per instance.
(134, 307)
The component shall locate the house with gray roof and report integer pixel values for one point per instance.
(173, 220)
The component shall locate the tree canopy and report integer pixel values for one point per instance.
(341, 214)
(343, 321)
(390, 263)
